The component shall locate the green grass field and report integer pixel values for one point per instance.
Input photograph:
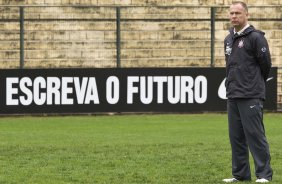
(125, 149)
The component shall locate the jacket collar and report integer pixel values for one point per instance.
(242, 30)
(245, 31)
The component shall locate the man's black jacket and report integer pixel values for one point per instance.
(248, 64)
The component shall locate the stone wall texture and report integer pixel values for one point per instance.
(154, 33)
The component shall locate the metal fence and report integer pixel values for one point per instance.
(214, 21)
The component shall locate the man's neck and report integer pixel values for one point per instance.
(237, 29)
(241, 28)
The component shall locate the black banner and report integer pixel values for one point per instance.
(30, 91)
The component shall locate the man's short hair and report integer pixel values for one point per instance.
(242, 4)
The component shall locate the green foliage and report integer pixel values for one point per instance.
(126, 149)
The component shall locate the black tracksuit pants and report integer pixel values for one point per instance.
(246, 132)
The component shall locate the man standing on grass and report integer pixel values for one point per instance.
(248, 64)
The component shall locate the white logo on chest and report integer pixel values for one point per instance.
(241, 44)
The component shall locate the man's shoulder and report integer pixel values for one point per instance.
(228, 37)
(257, 34)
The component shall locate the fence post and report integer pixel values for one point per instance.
(21, 37)
(118, 35)
(213, 10)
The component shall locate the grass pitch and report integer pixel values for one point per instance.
(127, 149)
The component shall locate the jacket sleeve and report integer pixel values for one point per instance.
(263, 55)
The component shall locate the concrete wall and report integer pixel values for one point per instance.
(136, 2)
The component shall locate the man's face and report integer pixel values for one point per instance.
(238, 16)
